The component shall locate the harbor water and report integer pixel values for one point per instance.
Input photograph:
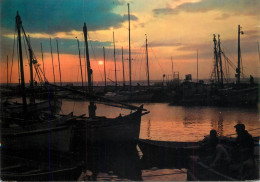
(178, 123)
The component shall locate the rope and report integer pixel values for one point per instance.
(26, 51)
(52, 172)
(19, 73)
(12, 56)
(156, 59)
(95, 57)
(247, 130)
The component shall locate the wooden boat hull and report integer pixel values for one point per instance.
(53, 135)
(126, 128)
(166, 154)
(56, 138)
(197, 170)
(17, 109)
(119, 129)
(245, 96)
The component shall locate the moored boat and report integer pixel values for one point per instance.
(53, 134)
(166, 154)
(199, 168)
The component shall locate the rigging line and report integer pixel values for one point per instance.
(225, 49)
(226, 68)
(12, 57)
(26, 50)
(95, 57)
(141, 65)
(156, 58)
(19, 74)
(135, 63)
(76, 82)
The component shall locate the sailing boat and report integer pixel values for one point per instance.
(23, 130)
(121, 128)
(232, 94)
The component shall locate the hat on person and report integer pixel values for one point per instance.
(240, 126)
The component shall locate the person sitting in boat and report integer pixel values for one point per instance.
(215, 153)
(209, 143)
(243, 154)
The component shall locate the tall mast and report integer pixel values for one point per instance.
(123, 67)
(59, 60)
(130, 80)
(32, 99)
(220, 61)
(80, 65)
(31, 65)
(18, 26)
(105, 75)
(147, 63)
(92, 107)
(238, 70)
(7, 71)
(43, 63)
(115, 57)
(258, 50)
(197, 66)
(52, 63)
(172, 66)
(216, 56)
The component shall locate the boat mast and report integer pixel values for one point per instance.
(92, 107)
(80, 65)
(258, 50)
(197, 66)
(220, 61)
(216, 56)
(18, 26)
(43, 63)
(147, 63)
(123, 67)
(105, 75)
(130, 80)
(7, 71)
(115, 57)
(31, 65)
(59, 60)
(172, 66)
(238, 70)
(52, 63)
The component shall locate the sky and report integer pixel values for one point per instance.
(175, 30)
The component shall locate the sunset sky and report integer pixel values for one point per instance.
(174, 28)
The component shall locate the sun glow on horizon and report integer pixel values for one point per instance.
(100, 62)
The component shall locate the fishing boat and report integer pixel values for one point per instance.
(200, 170)
(165, 153)
(238, 94)
(24, 127)
(121, 128)
(46, 134)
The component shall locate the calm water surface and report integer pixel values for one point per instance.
(178, 123)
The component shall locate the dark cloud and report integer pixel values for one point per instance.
(51, 16)
(236, 7)
(66, 46)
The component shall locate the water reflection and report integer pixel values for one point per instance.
(177, 123)
(118, 161)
